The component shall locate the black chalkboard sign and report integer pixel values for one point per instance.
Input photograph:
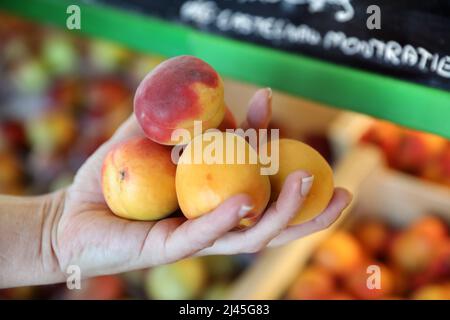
(413, 42)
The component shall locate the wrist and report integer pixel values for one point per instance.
(28, 242)
(52, 209)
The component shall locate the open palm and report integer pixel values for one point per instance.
(89, 235)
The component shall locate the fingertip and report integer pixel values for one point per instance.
(298, 175)
(344, 194)
(260, 109)
(236, 207)
(294, 183)
(238, 202)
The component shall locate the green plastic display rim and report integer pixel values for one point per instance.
(404, 103)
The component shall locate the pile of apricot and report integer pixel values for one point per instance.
(375, 260)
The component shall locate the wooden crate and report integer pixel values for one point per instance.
(377, 190)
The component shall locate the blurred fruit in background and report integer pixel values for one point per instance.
(30, 77)
(99, 288)
(13, 136)
(413, 262)
(181, 280)
(107, 56)
(11, 174)
(66, 94)
(59, 54)
(217, 291)
(421, 154)
(220, 267)
(313, 283)
(373, 235)
(19, 293)
(51, 133)
(433, 292)
(341, 254)
(357, 282)
(415, 248)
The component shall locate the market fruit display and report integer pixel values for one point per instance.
(295, 155)
(417, 153)
(57, 105)
(206, 278)
(176, 93)
(61, 97)
(313, 283)
(64, 95)
(184, 279)
(341, 254)
(413, 262)
(138, 180)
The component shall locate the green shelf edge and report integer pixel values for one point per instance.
(404, 103)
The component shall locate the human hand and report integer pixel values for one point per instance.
(87, 234)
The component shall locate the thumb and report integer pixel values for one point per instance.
(130, 128)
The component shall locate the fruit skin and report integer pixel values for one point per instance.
(373, 235)
(385, 135)
(182, 280)
(414, 249)
(439, 267)
(110, 287)
(174, 94)
(314, 283)
(340, 296)
(433, 292)
(295, 155)
(341, 254)
(201, 187)
(228, 122)
(356, 282)
(138, 180)
(430, 226)
(412, 252)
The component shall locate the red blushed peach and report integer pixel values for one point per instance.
(138, 180)
(176, 93)
(203, 183)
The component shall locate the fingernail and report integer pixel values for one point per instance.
(270, 92)
(306, 185)
(245, 210)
